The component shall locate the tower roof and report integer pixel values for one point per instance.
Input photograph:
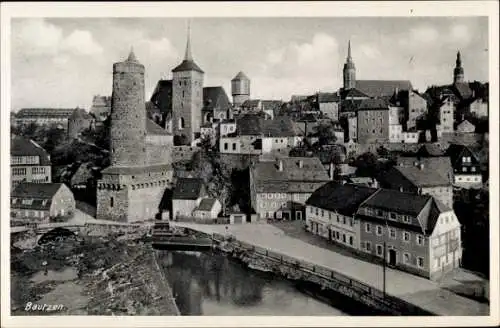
(349, 63)
(131, 56)
(188, 63)
(459, 59)
(240, 76)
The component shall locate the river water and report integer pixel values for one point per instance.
(212, 284)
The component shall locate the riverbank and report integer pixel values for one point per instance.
(89, 276)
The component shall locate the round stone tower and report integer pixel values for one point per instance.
(240, 89)
(128, 114)
(349, 71)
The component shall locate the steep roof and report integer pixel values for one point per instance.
(80, 113)
(278, 127)
(251, 103)
(83, 173)
(240, 76)
(162, 96)
(215, 98)
(154, 129)
(268, 177)
(441, 165)
(36, 190)
(430, 150)
(381, 88)
(248, 125)
(373, 104)
(343, 199)
(463, 90)
(466, 126)
(327, 97)
(456, 151)
(354, 93)
(206, 204)
(187, 65)
(396, 201)
(188, 188)
(271, 104)
(20, 146)
(412, 176)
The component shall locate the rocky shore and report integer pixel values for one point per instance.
(108, 275)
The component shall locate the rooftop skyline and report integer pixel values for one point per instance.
(65, 61)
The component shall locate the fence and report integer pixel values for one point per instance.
(192, 219)
(328, 277)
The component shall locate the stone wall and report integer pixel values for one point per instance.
(128, 115)
(112, 204)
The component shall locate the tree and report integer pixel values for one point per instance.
(326, 133)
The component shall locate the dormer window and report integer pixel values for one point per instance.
(27, 201)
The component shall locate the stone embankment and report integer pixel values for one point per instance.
(90, 276)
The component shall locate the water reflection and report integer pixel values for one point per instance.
(212, 284)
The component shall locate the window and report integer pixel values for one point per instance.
(343, 237)
(406, 258)
(226, 146)
(392, 216)
(420, 239)
(351, 240)
(392, 233)
(337, 234)
(368, 246)
(473, 169)
(368, 227)
(464, 169)
(111, 202)
(420, 262)
(380, 213)
(234, 146)
(380, 250)
(344, 220)
(322, 213)
(351, 222)
(317, 211)
(379, 230)
(406, 236)
(27, 201)
(181, 123)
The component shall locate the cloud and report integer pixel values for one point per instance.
(36, 37)
(81, 42)
(424, 34)
(460, 34)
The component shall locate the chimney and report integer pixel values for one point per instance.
(331, 170)
(280, 165)
(301, 163)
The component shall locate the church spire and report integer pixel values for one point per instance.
(459, 59)
(458, 72)
(188, 56)
(349, 58)
(131, 56)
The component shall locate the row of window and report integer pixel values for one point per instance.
(272, 205)
(24, 160)
(406, 236)
(274, 196)
(379, 250)
(442, 239)
(38, 170)
(321, 212)
(342, 237)
(226, 146)
(392, 216)
(469, 179)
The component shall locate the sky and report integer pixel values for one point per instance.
(64, 62)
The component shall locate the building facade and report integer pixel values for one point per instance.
(55, 117)
(101, 107)
(417, 109)
(78, 122)
(29, 162)
(39, 203)
(466, 167)
(446, 117)
(187, 196)
(373, 122)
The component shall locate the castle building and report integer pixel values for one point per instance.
(132, 187)
(187, 101)
(240, 89)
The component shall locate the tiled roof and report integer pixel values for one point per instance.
(440, 165)
(127, 170)
(412, 176)
(206, 204)
(162, 96)
(456, 152)
(248, 125)
(430, 150)
(83, 173)
(400, 202)
(20, 146)
(354, 93)
(188, 188)
(373, 104)
(350, 105)
(343, 199)
(278, 127)
(36, 190)
(325, 97)
(155, 129)
(271, 104)
(240, 76)
(215, 98)
(45, 112)
(187, 65)
(268, 178)
(381, 88)
(463, 90)
(465, 125)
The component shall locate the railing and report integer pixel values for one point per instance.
(192, 219)
(329, 276)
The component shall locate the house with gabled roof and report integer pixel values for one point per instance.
(279, 189)
(466, 166)
(187, 196)
(39, 202)
(29, 162)
(422, 177)
(330, 212)
(414, 233)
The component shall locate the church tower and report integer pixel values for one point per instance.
(128, 114)
(187, 98)
(240, 89)
(458, 72)
(349, 71)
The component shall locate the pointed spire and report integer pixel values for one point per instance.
(349, 50)
(131, 56)
(459, 59)
(188, 56)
